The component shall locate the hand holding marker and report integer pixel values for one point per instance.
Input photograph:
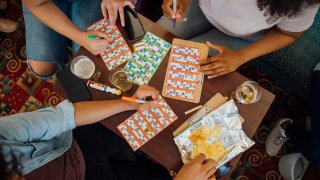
(93, 37)
(131, 99)
(174, 19)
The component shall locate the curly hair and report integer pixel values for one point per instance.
(9, 165)
(275, 9)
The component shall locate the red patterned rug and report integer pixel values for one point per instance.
(20, 91)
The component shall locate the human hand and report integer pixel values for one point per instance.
(199, 168)
(94, 46)
(182, 6)
(225, 62)
(143, 92)
(110, 9)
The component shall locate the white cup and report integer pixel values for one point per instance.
(293, 166)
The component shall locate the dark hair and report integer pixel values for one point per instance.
(275, 9)
(9, 165)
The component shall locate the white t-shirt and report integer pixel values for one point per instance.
(242, 18)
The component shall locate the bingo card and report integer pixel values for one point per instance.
(146, 61)
(143, 126)
(118, 51)
(183, 79)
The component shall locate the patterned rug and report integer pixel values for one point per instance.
(20, 91)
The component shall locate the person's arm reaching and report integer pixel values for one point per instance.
(275, 39)
(44, 124)
(93, 111)
(229, 60)
(48, 13)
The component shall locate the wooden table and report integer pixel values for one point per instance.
(162, 147)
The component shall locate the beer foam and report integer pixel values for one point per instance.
(84, 68)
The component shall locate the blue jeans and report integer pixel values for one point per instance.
(198, 28)
(46, 45)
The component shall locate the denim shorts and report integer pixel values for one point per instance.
(44, 44)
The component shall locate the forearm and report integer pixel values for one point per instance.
(274, 40)
(48, 13)
(89, 112)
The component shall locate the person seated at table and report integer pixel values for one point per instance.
(49, 25)
(238, 31)
(41, 144)
(306, 142)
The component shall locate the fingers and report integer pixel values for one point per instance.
(97, 46)
(100, 42)
(180, 18)
(111, 14)
(111, 10)
(209, 60)
(213, 65)
(103, 35)
(199, 158)
(147, 105)
(167, 10)
(212, 178)
(129, 3)
(209, 167)
(214, 72)
(214, 69)
(210, 173)
(154, 102)
(146, 91)
(115, 14)
(219, 48)
(217, 74)
(179, 14)
(154, 93)
(121, 12)
(209, 164)
(101, 46)
(104, 11)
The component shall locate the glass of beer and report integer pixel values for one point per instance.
(84, 68)
(120, 78)
(247, 93)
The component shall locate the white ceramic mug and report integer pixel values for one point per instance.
(292, 166)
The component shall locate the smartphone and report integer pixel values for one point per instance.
(133, 27)
(73, 86)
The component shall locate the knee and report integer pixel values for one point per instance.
(42, 69)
